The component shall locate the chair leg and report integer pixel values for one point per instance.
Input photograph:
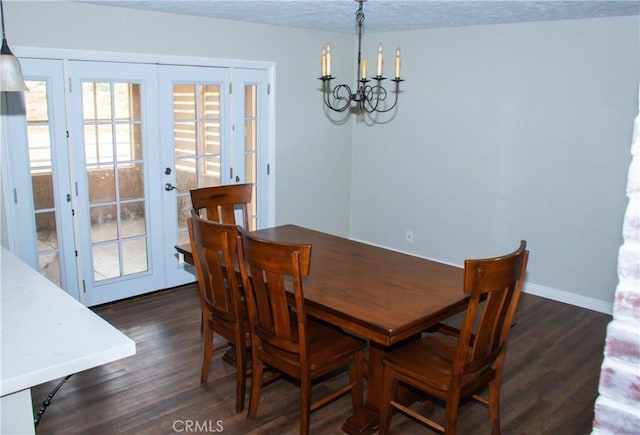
(494, 406)
(390, 386)
(256, 387)
(241, 375)
(355, 378)
(451, 414)
(305, 404)
(207, 351)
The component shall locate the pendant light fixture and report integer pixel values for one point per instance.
(11, 78)
(369, 95)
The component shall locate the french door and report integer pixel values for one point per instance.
(36, 161)
(211, 137)
(129, 143)
(195, 133)
(115, 136)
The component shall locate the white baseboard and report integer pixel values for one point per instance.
(568, 298)
(535, 289)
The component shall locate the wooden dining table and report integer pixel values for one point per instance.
(378, 294)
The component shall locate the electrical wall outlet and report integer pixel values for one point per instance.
(409, 236)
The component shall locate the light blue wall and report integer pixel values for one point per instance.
(504, 133)
(313, 156)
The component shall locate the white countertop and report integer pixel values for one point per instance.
(46, 334)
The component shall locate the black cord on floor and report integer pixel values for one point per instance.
(48, 400)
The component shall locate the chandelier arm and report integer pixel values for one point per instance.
(333, 98)
(372, 97)
(382, 96)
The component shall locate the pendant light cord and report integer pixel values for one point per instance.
(5, 45)
(2, 18)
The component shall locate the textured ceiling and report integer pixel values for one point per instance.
(384, 15)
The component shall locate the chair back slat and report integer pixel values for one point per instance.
(219, 203)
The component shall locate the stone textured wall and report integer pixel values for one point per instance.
(617, 409)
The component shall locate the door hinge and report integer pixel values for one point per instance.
(231, 88)
(67, 134)
(73, 212)
(76, 253)
(76, 183)
(268, 88)
(84, 286)
(69, 84)
(230, 173)
(15, 196)
(268, 169)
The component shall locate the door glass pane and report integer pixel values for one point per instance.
(211, 135)
(106, 261)
(184, 101)
(185, 138)
(46, 230)
(42, 185)
(116, 178)
(41, 170)
(103, 223)
(186, 175)
(210, 171)
(102, 184)
(131, 181)
(49, 265)
(134, 260)
(132, 218)
(184, 212)
(197, 139)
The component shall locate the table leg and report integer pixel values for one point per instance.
(229, 355)
(365, 420)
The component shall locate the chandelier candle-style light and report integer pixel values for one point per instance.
(370, 96)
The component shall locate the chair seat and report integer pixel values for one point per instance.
(226, 329)
(328, 345)
(327, 349)
(430, 362)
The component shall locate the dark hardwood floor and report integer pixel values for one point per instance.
(550, 384)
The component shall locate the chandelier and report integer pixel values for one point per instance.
(369, 96)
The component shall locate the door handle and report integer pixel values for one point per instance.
(169, 187)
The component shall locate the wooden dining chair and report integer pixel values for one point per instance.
(453, 364)
(283, 337)
(219, 203)
(214, 248)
